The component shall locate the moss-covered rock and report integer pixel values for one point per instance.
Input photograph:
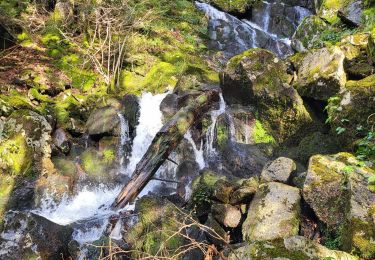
(293, 248)
(320, 73)
(328, 9)
(24, 143)
(156, 233)
(279, 170)
(273, 213)
(349, 112)
(371, 46)
(236, 6)
(103, 120)
(308, 34)
(336, 188)
(98, 165)
(247, 81)
(356, 62)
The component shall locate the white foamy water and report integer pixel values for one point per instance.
(199, 158)
(124, 137)
(88, 203)
(150, 122)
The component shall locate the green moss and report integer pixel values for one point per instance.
(6, 186)
(15, 155)
(260, 135)
(238, 6)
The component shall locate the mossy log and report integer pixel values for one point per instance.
(165, 141)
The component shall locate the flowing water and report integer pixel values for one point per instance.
(91, 207)
(233, 36)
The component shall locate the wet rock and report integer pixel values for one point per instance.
(247, 81)
(352, 13)
(245, 192)
(169, 105)
(351, 111)
(103, 121)
(26, 235)
(185, 173)
(243, 160)
(337, 189)
(130, 108)
(223, 190)
(294, 248)
(61, 140)
(226, 214)
(278, 170)
(321, 73)
(308, 34)
(273, 213)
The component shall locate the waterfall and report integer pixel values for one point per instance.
(150, 122)
(210, 134)
(124, 137)
(266, 16)
(199, 158)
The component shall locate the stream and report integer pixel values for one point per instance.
(89, 210)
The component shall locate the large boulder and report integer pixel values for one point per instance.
(29, 236)
(248, 81)
(308, 34)
(352, 110)
(292, 248)
(130, 109)
(350, 11)
(273, 213)
(243, 160)
(320, 73)
(237, 6)
(356, 63)
(337, 189)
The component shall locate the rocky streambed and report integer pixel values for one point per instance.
(268, 172)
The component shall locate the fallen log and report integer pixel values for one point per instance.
(165, 141)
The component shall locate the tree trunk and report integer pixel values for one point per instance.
(165, 141)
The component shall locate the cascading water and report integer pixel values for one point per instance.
(124, 137)
(90, 209)
(199, 158)
(210, 135)
(233, 36)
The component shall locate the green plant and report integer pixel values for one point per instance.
(366, 147)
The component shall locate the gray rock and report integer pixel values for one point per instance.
(223, 190)
(278, 170)
(273, 213)
(26, 235)
(169, 105)
(352, 13)
(226, 214)
(62, 140)
(103, 121)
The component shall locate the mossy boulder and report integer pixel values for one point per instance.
(356, 62)
(156, 233)
(292, 248)
(328, 9)
(350, 112)
(320, 73)
(236, 6)
(308, 34)
(248, 81)
(274, 213)
(371, 46)
(25, 143)
(337, 189)
(246, 190)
